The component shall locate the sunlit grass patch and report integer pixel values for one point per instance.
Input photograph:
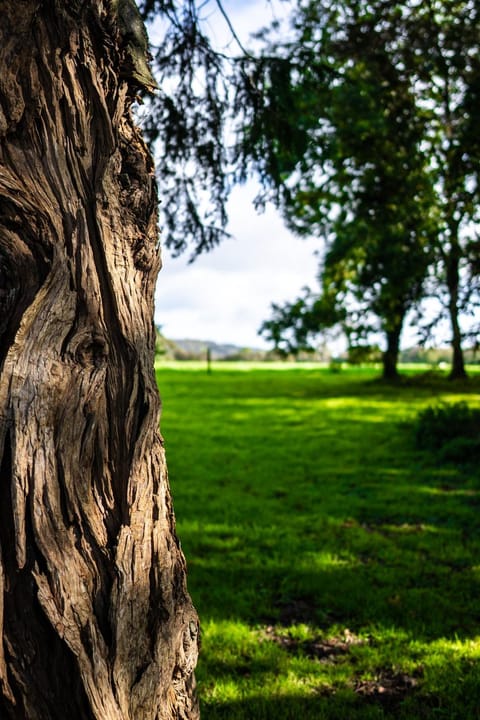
(385, 670)
(308, 516)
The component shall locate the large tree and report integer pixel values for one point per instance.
(442, 50)
(360, 125)
(95, 619)
(350, 133)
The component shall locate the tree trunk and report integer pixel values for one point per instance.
(96, 620)
(390, 356)
(457, 371)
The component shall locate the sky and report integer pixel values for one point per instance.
(226, 294)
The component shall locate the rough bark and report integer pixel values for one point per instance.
(95, 617)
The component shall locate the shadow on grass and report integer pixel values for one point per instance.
(316, 384)
(302, 501)
(338, 707)
(292, 708)
(381, 552)
(424, 600)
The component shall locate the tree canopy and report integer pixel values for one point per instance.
(386, 174)
(358, 119)
(186, 124)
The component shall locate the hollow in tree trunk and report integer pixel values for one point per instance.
(96, 622)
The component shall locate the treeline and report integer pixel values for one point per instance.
(188, 350)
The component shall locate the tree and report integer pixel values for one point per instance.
(96, 620)
(443, 51)
(341, 181)
(359, 126)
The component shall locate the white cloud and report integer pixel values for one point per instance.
(226, 294)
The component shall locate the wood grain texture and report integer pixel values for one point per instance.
(95, 616)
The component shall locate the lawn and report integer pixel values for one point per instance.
(335, 568)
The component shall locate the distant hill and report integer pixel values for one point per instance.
(187, 349)
(218, 351)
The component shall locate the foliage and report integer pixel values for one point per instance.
(185, 123)
(452, 431)
(359, 120)
(363, 136)
(293, 326)
(364, 354)
(429, 355)
(334, 571)
(361, 129)
(447, 37)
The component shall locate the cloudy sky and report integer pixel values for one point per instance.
(226, 294)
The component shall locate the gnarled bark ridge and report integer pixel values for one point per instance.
(95, 617)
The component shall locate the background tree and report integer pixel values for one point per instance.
(95, 618)
(319, 117)
(361, 134)
(358, 128)
(443, 49)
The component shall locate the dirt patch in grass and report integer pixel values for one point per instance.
(297, 611)
(388, 688)
(322, 649)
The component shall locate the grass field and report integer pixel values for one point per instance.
(335, 568)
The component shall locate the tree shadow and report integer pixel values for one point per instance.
(413, 594)
(318, 383)
(340, 525)
(330, 705)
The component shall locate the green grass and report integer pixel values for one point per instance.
(335, 568)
